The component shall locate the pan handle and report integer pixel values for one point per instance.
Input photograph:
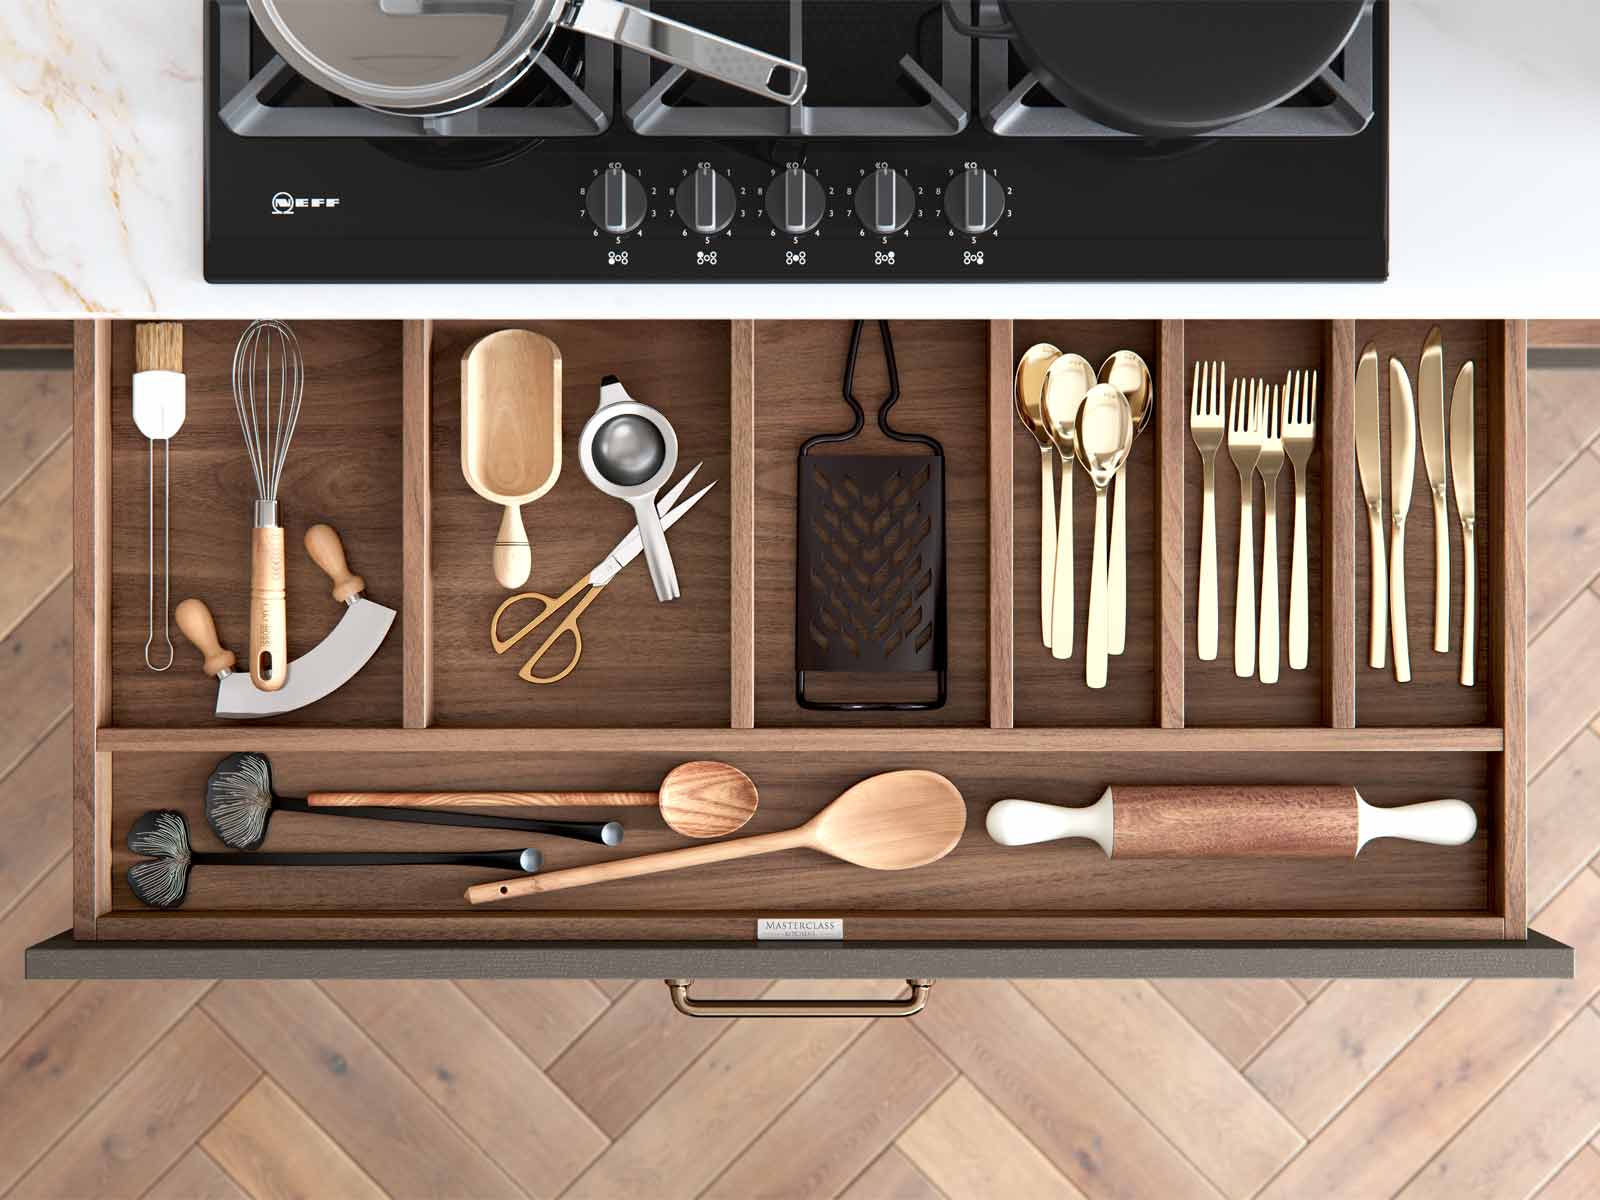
(904, 1006)
(692, 49)
(971, 29)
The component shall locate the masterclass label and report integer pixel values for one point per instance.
(800, 929)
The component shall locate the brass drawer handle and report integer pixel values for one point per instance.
(903, 1006)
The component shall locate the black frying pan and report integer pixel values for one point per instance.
(1172, 68)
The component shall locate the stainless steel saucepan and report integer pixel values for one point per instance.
(436, 57)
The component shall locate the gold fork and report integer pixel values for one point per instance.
(1205, 426)
(1270, 464)
(1299, 436)
(1244, 447)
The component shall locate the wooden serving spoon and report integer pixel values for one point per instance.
(889, 822)
(697, 799)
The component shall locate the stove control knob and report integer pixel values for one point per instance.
(795, 202)
(974, 201)
(885, 202)
(616, 201)
(706, 201)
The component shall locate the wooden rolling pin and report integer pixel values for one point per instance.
(1270, 821)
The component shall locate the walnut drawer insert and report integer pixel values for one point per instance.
(376, 455)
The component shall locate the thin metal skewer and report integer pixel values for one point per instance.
(166, 551)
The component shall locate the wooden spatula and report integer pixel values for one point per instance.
(889, 822)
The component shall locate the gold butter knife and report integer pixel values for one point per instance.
(1430, 423)
(1402, 471)
(1463, 466)
(1370, 463)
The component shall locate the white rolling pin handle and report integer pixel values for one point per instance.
(1025, 822)
(1438, 822)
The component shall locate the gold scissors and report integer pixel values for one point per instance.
(623, 553)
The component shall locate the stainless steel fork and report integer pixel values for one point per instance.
(1206, 419)
(1299, 436)
(1270, 465)
(1244, 447)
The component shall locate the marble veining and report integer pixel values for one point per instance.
(98, 101)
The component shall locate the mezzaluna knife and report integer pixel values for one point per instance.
(318, 672)
(1464, 466)
(1370, 463)
(1402, 472)
(1430, 423)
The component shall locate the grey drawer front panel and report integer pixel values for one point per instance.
(61, 957)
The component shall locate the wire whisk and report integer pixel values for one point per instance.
(268, 383)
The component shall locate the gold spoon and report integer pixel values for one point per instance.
(1029, 398)
(1127, 372)
(1104, 438)
(1066, 384)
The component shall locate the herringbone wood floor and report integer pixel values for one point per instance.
(1291, 1089)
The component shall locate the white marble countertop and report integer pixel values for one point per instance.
(1495, 189)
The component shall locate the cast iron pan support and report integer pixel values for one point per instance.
(870, 555)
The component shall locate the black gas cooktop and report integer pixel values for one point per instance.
(918, 155)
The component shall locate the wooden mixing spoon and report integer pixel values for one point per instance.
(697, 799)
(889, 822)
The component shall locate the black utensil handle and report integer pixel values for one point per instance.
(502, 860)
(582, 831)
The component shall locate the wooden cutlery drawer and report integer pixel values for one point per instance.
(1434, 696)
(656, 665)
(1050, 692)
(1213, 694)
(711, 676)
(344, 470)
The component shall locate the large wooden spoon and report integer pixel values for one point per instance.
(697, 799)
(889, 822)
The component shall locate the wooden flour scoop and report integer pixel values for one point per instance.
(889, 822)
(511, 434)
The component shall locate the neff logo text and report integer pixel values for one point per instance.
(284, 204)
